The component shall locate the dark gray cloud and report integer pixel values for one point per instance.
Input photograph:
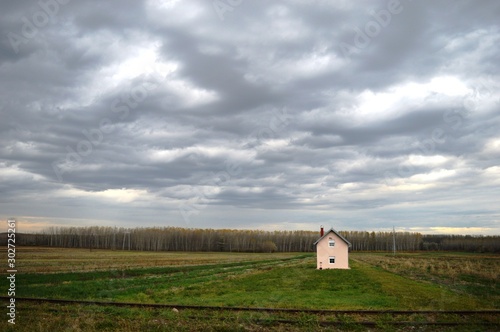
(266, 115)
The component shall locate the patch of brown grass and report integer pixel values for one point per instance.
(448, 266)
(53, 260)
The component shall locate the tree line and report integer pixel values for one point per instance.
(231, 240)
(172, 239)
(466, 243)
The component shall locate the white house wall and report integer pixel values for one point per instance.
(340, 251)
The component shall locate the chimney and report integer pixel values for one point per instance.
(321, 231)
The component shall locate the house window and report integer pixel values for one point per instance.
(332, 259)
(331, 243)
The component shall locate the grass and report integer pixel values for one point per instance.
(375, 281)
(257, 280)
(52, 260)
(462, 273)
(50, 317)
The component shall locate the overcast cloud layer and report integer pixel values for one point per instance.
(359, 115)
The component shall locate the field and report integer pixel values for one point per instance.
(419, 281)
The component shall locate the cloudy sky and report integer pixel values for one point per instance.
(269, 115)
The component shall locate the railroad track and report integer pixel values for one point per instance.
(334, 317)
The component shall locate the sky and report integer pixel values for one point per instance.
(272, 115)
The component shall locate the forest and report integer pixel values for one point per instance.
(232, 240)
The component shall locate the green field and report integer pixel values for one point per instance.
(427, 281)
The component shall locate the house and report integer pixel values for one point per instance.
(332, 250)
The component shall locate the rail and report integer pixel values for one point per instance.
(478, 317)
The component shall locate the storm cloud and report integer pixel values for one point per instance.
(251, 114)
